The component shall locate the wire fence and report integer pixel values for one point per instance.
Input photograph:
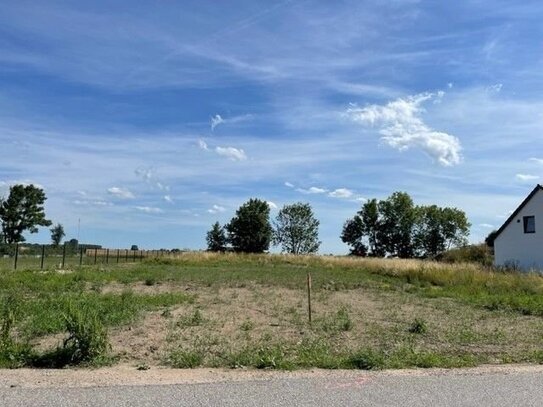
(42, 257)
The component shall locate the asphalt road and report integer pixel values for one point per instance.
(470, 388)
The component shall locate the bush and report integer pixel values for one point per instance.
(338, 322)
(418, 326)
(87, 339)
(480, 253)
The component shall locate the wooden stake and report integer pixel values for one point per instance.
(309, 296)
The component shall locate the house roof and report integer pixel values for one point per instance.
(516, 212)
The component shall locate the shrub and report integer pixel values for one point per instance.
(418, 326)
(338, 322)
(87, 339)
(480, 253)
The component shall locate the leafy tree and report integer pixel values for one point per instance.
(353, 234)
(395, 226)
(372, 227)
(57, 233)
(455, 227)
(250, 230)
(296, 229)
(216, 238)
(397, 221)
(22, 211)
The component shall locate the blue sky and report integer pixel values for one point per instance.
(150, 121)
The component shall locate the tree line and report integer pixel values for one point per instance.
(394, 227)
(295, 229)
(397, 227)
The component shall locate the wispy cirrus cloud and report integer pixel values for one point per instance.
(149, 209)
(312, 190)
(148, 175)
(537, 160)
(401, 127)
(120, 192)
(218, 119)
(526, 177)
(216, 209)
(232, 153)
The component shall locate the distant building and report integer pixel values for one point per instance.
(519, 242)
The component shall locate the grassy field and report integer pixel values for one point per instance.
(238, 311)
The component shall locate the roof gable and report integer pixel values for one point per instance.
(516, 212)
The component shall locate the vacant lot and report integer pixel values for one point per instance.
(251, 311)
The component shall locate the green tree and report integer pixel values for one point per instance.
(22, 211)
(57, 233)
(296, 229)
(216, 238)
(372, 227)
(353, 235)
(250, 230)
(397, 222)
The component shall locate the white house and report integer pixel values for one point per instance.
(519, 242)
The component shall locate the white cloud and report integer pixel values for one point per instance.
(149, 209)
(312, 190)
(288, 184)
(450, 85)
(537, 160)
(341, 193)
(92, 203)
(526, 177)
(232, 153)
(168, 198)
(272, 205)
(218, 119)
(122, 193)
(147, 175)
(217, 209)
(202, 144)
(486, 225)
(401, 127)
(496, 88)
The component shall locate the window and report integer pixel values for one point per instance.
(529, 224)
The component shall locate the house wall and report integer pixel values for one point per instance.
(513, 246)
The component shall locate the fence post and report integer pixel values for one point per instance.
(309, 296)
(16, 256)
(42, 256)
(63, 255)
(95, 254)
(81, 256)
(117, 255)
(107, 256)
(134, 255)
(126, 255)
